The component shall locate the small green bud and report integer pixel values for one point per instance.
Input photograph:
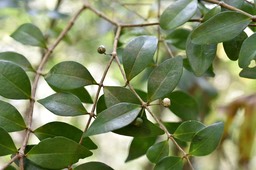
(138, 122)
(101, 49)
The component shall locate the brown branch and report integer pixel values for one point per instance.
(140, 25)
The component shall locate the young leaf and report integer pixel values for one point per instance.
(10, 118)
(57, 153)
(178, 13)
(138, 54)
(158, 151)
(54, 129)
(170, 163)
(115, 117)
(7, 147)
(29, 34)
(247, 52)
(222, 27)
(14, 81)
(93, 166)
(206, 140)
(63, 104)
(69, 75)
(186, 130)
(164, 78)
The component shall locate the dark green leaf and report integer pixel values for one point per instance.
(139, 147)
(206, 140)
(10, 118)
(101, 104)
(115, 117)
(29, 34)
(14, 81)
(222, 27)
(69, 75)
(214, 11)
(63, 104)
(164, 78)
(171, 126)
(170, 163)
(57, 153)
(247, 52)
(7, 147)
(138, 54)
(158, 151)
(178, 38)
(248, 73)
(178, 13)
(93, 166)
(54, 129)
(10, 168)
(186, 130)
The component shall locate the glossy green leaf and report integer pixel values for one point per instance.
(138, 54)
(214, 11)
(7, 147)
(229, 23)
(178, 13)
(14, 81)
(200, 57)
(206, 140)
(187, 130)
(57, 153)
(248, 73)
(10, 118)
(139, 147)
(69, 75)
(18, 59)
(54, 129)
(114, 95)
(164, 78)
(178, 38)
(247, 52)
(232, 47)
(170, 163)
(93, 166)
(158, 151)
(29, 34)
(63, 104)
(115, 117)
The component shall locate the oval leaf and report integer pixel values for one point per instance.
(164, 78)
(138, 54)
(170, 163)
(158, 151)
(93, 166)
(29, 34)
(115, 117)
(63, 104)
(14, 81)
(248, 73)
(69, 75)
(7, 147)
(57, 153)
(222, 27)
(206, 140)
(178, 13)
(178, 37)
(10, 118)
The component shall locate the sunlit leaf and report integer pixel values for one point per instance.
(170, 163)
(158, 151)
(93, 166)
(7, 147)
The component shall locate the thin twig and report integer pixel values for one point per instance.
(168, 49)
(10, 162)
(140, 25)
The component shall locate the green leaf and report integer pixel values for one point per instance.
(214, 11)
(222, 27)
(115, 117)
(101, 104)
(115, 95)
(178, 13)
(139, 147)
(14, 81)
(18, 59)
(186, 130)
(69, 75)
(170, 163)
(178, 37)
(7, 147)
(93, 166)
(10, 168)
(232, 47)
(29, 34)
(63, 104)
(247, 52)
(158, 151)
(248, 73)
(57, 153)
(10, 118)
(200, 57)
(54, 129)
(164, 78)
(138, 54)
(206, 140)
(183, 105)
